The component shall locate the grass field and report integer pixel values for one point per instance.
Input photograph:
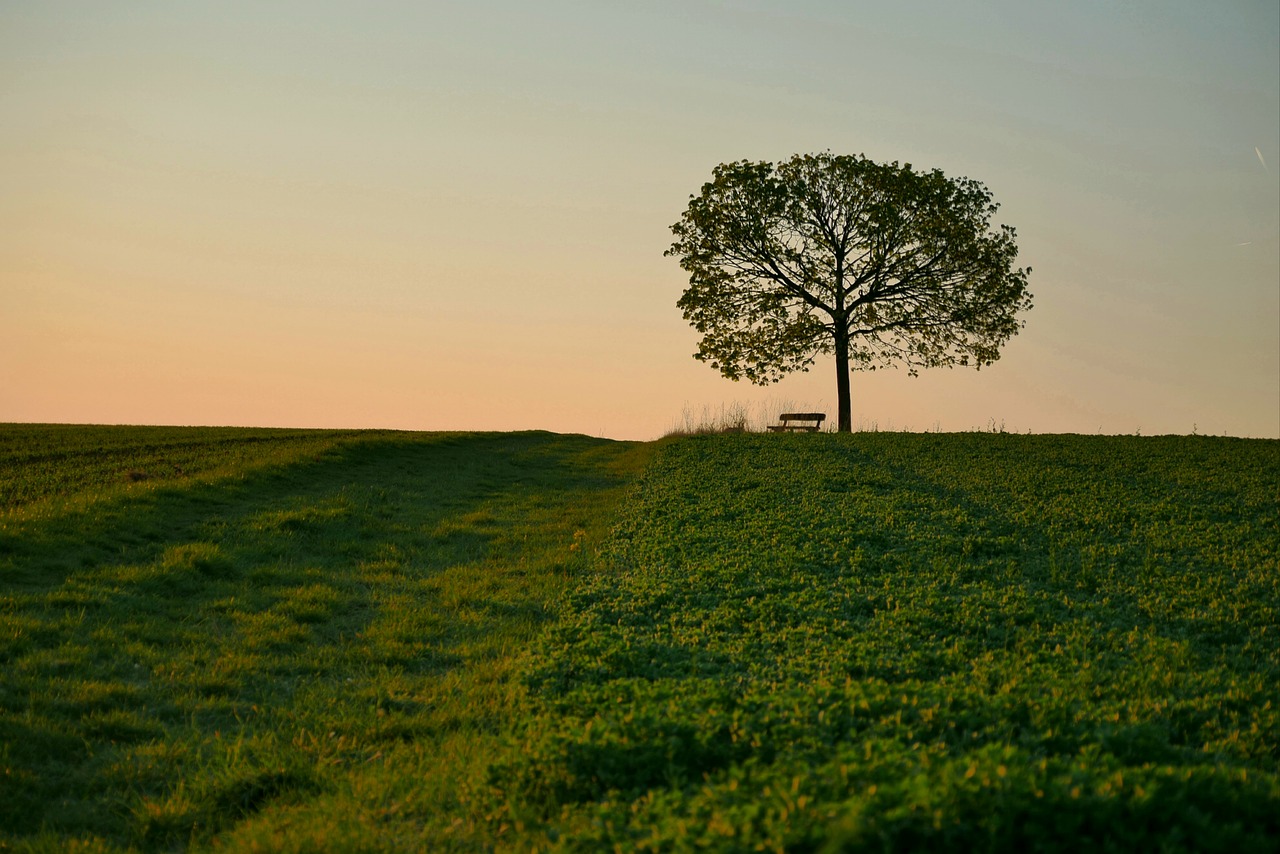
(302, 637)
(294, 640)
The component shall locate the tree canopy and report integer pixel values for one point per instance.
(877, 264)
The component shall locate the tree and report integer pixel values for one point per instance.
(822, 254)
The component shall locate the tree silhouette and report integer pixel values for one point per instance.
(823, 254)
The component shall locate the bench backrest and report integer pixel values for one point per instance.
(803, 416)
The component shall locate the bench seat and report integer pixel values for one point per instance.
(799, 422)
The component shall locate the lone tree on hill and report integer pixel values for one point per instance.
(820, 254)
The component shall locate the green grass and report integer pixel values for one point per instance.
(896, 642)
(313, 648)
(393, 641)
(49, 465)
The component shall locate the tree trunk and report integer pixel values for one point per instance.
(844, 416)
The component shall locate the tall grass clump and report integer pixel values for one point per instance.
(735, 417)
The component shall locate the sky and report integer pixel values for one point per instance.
(452, 215)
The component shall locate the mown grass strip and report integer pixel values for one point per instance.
(310, 651)
(43, 467)
(897, 642)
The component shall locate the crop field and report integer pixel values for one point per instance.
(869, 642)
(886, 641)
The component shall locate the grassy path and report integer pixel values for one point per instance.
(317, 651)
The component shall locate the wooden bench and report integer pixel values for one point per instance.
(810, 422)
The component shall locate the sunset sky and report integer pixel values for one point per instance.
(452, 215)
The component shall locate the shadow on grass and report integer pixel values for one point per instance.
(1094, 519)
